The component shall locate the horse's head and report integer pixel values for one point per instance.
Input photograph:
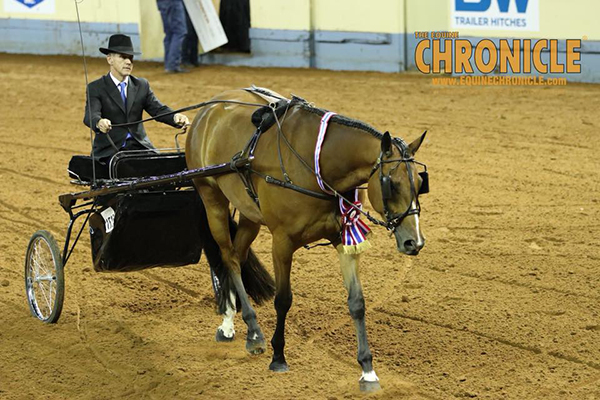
(394, 188)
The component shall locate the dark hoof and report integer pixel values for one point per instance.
(257, 346)
(278, 366)
(220, 336)
(369, 386)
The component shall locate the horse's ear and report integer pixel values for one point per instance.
(386, 144)
(414, 146)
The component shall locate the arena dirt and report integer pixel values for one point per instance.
(502, 303)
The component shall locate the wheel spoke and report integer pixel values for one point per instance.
(41, 259)
(35, 261)
(45, 295)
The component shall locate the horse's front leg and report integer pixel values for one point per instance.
(282, 263)
(356, 305)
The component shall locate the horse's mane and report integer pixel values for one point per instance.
(342, 120)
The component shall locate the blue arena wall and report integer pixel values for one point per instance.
(332, 50)
(297, 48)
(384, 52)
(34, 36)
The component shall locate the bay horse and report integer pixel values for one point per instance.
(280, 189)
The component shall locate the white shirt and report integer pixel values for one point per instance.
(116, 82)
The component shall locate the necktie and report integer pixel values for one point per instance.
(123, 97)
(122, 85)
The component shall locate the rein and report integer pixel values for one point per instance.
(188, 108)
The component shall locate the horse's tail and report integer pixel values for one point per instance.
(257, 281)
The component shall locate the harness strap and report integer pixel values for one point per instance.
(289, 185)
(263, 118)
(244, 174)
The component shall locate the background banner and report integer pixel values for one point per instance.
(518, 15)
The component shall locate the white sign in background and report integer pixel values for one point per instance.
(30, 6)
(509, 15)
(206, 23)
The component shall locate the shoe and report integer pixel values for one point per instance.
(176, 71)
(191, 65)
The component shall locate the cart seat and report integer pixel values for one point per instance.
(80, 169)
(126, 165)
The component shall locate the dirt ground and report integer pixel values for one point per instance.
(502, 303)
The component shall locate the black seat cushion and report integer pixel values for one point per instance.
(80, 168)
(139, 165)
(127, 165)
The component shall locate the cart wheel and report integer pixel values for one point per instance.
(44, 278)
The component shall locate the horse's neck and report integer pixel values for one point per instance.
(349, 156)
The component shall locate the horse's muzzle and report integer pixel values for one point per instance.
(409, 247)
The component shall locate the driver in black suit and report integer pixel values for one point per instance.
(119, 97)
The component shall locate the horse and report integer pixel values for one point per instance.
(300, 196)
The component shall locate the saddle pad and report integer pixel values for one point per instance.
(263, 118)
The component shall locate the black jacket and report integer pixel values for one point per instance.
(105, 101)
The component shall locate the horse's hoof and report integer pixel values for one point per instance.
(220, 336)
(369, 386)
(278, 366)
(366, 386)
(256, 347)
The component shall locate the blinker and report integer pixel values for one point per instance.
(424, 188)
(386, 187)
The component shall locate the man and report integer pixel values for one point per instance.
(118, 98)
(172, 13)
(189, 49)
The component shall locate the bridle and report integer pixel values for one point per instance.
(393, 220)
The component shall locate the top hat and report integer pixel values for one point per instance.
(119, 44)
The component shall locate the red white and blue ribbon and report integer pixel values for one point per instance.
(320, 139)
(354, 230)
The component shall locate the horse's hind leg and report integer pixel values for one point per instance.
(226, 331)
(356, 305)
(217, 212)
(246, 233)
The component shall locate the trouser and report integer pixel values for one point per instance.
(190, 44)
(174, 25)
